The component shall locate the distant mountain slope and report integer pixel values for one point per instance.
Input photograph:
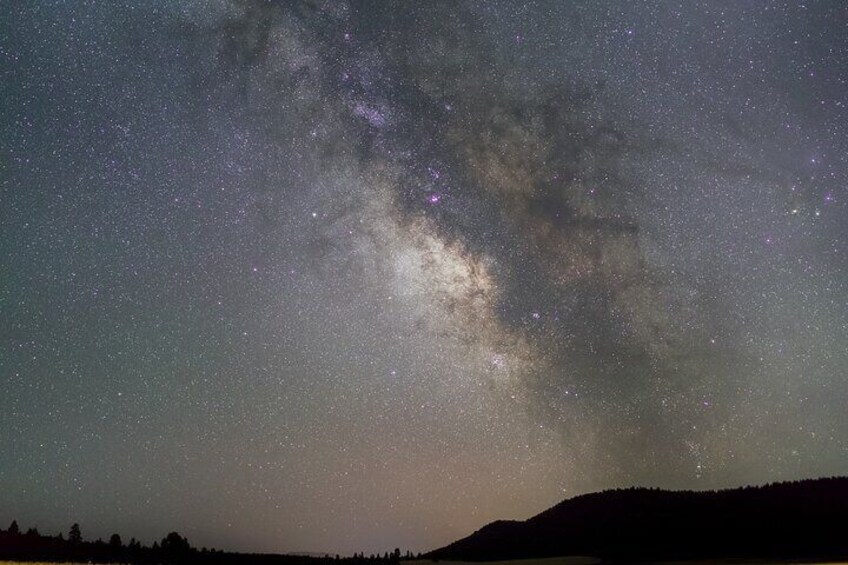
(806, 519)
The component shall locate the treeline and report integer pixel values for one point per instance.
(16, 545)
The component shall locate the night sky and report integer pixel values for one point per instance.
(347, 277)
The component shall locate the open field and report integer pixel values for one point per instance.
(750, 562)
(582, 560)
(571, 560)
(49, 563)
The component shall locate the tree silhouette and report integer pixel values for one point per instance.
(175, 545)
(75, 535)
(115, 541)
(13, 528)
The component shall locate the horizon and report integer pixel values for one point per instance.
(340, 277)
(404, 552)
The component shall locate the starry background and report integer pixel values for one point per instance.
(343, 277)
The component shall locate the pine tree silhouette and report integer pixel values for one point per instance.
(75, 535)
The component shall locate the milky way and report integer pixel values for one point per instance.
(330, 276)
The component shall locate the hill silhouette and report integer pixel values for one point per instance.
(796, 520)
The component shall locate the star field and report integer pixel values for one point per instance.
(350, 276)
